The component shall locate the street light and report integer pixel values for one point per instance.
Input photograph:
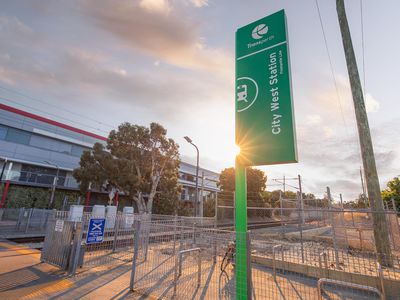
(55, 181)
(189, 140)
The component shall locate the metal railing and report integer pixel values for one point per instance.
(274, 248)
(178, 271)
(350, 285)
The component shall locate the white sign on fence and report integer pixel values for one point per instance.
(130, 218)
(59, 225)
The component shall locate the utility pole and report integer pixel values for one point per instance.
(381, 233)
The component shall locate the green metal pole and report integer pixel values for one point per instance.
(241, 231)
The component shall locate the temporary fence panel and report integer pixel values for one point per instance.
(58, 242)
(188, 258)
(24, 220)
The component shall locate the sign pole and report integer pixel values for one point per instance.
(241, 231)
(264, 119)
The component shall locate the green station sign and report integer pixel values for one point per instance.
(264, 112)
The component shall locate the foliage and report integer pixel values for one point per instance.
(28, 197)
(273, 197)
(256, 180)
(209, 207)
(168, 201)
(37, 197)
(134, 161)
(392, 192)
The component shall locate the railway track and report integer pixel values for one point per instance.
(257, 225)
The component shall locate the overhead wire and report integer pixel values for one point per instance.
(51, 114)
(331, 66)
(333, 73)
(56, 106)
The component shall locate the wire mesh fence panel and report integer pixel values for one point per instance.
(183, 262)
(58, 242)
(117, 244)
(189, 258)
(9, 218)
(24, 220)
(394, 229)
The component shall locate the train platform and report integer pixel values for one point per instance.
(24, 276)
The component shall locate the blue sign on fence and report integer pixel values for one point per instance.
(95, 233)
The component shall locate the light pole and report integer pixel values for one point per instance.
(196, 199)
(55, 181)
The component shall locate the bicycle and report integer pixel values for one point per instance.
(226, 286)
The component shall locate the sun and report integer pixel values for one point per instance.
(237, 150)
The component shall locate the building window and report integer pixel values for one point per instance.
(3, 132)
(18, 136)
(63, 147)
(41, 142)
(77, 150)
(36, 174)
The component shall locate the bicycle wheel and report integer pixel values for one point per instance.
(225, 262)
(225, 287)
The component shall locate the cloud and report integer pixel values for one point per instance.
(12, 26)
(199, 3)
(171, 37)
(313, 120)
(157, 6)
(371, 104)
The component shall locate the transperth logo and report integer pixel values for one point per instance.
(259, 31)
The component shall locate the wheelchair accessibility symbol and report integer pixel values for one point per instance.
(246, 93)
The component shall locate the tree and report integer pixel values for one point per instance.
(256, 184)
(135, 160)
(256, 180)
(167, 201)
(392, 192)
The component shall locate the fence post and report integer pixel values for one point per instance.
(29, 219)
(300, 224)
(20, 216)
(76, 248)
(116, 226)
(333, 226)
(135, 255)
(215, 242)
(175, 229)
(194, 234)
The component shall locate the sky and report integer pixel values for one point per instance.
(95, 64)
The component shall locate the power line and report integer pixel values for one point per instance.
(335, 81)
(331, 66)
(53, 105)
(54, 115)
